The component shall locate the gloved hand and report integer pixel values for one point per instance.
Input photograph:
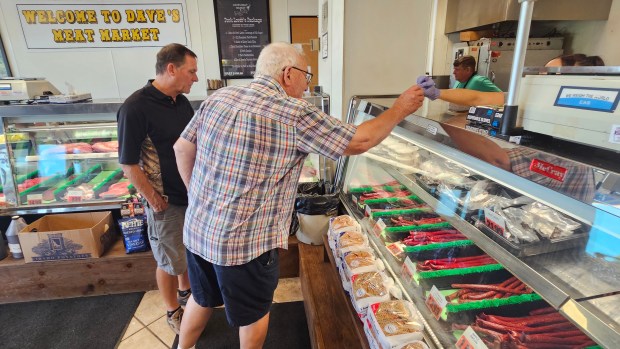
(430, 91)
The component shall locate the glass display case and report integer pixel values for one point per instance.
(496, 251)
(64, 157)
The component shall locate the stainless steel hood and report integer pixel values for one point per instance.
(469, 14)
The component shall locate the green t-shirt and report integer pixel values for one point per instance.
(478, 83)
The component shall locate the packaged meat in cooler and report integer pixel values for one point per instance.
(395, 323)
(105, 147)
(68, 148)
(116, 190)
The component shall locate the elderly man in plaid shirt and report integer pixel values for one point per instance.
(241, 157)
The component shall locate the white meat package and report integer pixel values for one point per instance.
(339, 225)
(350, 241)
(355, 262)
(369, 288)
(395, 323)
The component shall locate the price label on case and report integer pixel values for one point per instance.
(34, 199)
(431, 129)
(354, 199)
(378, 227)
(395, 248)
(74, 195)
(368, 211)
(408, 270)
(494, 221)
(470, 340)
(436, 302)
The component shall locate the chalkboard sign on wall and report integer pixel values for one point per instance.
(242, 32)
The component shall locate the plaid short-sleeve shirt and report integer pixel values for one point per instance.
(251, 145)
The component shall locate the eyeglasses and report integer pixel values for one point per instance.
(308, 75)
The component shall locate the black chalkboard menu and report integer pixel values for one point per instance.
(242, 32)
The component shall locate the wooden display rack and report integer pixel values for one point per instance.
(115, 272)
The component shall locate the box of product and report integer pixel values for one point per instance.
(67, 236)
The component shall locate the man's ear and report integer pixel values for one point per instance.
(286, 76)
(170, 69)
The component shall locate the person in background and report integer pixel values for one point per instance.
(149, 123)
(465, 97)
(576, 59)
(467, 77)
(241, 158)
(579, 181)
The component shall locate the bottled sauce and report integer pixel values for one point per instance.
(17, 224)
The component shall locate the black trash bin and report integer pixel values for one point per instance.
(313, 211)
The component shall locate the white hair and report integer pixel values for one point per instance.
(277, 56)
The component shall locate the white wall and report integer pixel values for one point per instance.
(116, 73)
(375, 47)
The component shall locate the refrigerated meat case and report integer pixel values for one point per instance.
(58, 158)
(578, 275)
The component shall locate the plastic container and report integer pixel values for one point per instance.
(17, 224)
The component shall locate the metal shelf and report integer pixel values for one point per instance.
(85, 156)
(536, 271)
(435, 334)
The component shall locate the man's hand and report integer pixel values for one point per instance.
(158, 204)
(410, 100)
(428, 85)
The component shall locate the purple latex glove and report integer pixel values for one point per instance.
(430, 91)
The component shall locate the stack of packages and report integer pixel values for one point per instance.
(389, 322)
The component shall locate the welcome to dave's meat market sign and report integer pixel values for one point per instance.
(103, 25)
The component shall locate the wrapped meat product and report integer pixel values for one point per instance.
(369, 288)
(350, 241)
(355, 262)
(395, 323)
(548, 222)
(105, 147)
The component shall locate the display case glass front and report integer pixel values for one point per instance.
(506, 255)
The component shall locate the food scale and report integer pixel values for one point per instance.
(20, 89)
(579, 104)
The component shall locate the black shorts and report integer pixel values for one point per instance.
(245, 290)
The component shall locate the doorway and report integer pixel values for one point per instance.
(304, 29)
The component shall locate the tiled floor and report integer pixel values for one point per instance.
(148, 328)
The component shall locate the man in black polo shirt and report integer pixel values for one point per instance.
(149, 123)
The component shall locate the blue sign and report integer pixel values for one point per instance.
(589, 98)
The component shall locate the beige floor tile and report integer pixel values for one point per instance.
(151, 308)
(161, 329)
(134, 326)
(143, 339)
(288, 290)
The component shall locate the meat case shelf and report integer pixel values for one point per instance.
(579, 276)
(58, 158)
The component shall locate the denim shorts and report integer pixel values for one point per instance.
(245, 290)
(165, 230)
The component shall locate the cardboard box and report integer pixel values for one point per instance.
(68, 236)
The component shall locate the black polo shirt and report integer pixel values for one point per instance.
(149, 123)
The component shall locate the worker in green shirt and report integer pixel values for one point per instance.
(467, 77)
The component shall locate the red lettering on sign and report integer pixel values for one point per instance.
(548, 169)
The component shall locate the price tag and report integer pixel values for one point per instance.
(431, 129)
(494, 221)
(407, 271)
(354, 199)
(436, 302)
(2, 199)
(368, 210)
(34, 199)
(395, 248)
(378, 227)
(470, 340)
(74, 195)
